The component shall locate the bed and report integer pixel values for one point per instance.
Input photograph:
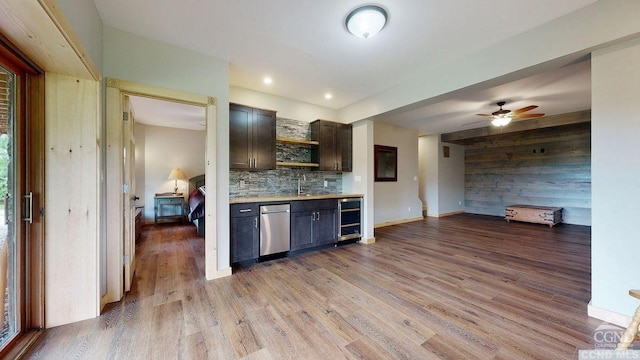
(196, 203)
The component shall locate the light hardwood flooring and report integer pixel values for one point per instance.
(460, 287)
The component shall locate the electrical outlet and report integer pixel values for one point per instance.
(357, 178)
(459, 202)
(242, 184)
(326, 183)
(409, 209)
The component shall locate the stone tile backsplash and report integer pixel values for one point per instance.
(284, 180)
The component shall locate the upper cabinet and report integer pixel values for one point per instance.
(333, 152)
(252, 138)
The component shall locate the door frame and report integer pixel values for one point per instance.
(113, 257)
(129, 193)
(29, 247)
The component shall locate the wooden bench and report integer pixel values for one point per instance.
(534, 214)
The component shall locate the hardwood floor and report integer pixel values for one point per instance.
(460, 287)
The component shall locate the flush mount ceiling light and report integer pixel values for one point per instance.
(267, 80)
(366, 21)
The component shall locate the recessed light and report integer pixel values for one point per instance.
(328, 96)
(267, 80)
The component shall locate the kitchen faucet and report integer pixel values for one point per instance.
(304, 178)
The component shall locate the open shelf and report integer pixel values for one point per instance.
(297, 164)
(296, 141)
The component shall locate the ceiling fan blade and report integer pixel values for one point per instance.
(525, 109)
(527, 116)
(484, 114)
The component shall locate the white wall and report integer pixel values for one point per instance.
(398, 200)
(450, 179)
(615, 171)
(441, 179)
(166, 148)
(87, 24)
(360, 180)
(286, 108)
(135, 58)
(428, 172)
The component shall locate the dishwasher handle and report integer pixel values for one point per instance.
(275, 211)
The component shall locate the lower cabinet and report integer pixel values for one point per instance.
(244, 232)
(313, 223)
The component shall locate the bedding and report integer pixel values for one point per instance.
(196, 203)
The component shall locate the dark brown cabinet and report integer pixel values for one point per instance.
(252, 138)
(334, 152)
(244, 232)
(313, 223)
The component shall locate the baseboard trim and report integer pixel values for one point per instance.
(447, 214)
(608, 316)
(397, 222)
(368, 241)
(219, 274)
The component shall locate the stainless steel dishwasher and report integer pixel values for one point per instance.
(275, 229)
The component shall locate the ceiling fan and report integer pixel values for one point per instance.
(503, 117)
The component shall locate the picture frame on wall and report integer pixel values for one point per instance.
(385, 163)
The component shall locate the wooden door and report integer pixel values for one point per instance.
(129, 194)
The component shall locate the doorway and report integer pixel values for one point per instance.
(115, 241)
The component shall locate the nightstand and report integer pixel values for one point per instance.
(168, 207)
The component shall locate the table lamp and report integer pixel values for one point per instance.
(175, 175)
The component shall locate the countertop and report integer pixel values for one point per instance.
(244, 200)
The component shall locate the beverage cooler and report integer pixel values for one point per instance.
(350, 210)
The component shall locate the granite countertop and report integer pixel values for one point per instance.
(243, 200)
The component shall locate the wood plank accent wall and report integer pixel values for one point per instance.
(72, 165)
(545, 167)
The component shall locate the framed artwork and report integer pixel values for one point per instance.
(385, 163)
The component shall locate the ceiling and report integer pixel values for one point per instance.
(150, 111)
(308, 52)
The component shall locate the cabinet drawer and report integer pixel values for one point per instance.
(314, 205)
(242, 210)
(171, 201)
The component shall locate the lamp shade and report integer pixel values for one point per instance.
(176, 174)
(366, 21)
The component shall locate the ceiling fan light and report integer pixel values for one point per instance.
(366, 21)
(501, 120)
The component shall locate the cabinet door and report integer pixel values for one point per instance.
(345, 132)
(264, 139)
(240, 136)
(326, 227)
(244, 238)
(327, 146)
(302, 230)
